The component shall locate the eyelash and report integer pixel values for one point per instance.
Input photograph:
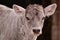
(43, 18)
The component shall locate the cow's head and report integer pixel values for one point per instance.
(35, 15)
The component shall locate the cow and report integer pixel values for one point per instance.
(18, 23)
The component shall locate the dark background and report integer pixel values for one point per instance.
(46, 35)
(24, 3)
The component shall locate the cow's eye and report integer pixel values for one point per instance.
(27, 18)
(43, 18)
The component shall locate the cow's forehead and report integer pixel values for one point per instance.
(32, 7)
(35, 6)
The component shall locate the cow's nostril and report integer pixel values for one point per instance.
(36, 31)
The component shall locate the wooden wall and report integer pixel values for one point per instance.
(56, 22)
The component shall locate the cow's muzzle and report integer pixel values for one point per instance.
(36, 31)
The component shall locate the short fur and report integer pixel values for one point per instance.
(16, 24)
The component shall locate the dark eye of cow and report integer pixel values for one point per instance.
(43, 18)
(27, 18)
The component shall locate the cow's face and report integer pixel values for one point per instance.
(35, 15)
(35, 18)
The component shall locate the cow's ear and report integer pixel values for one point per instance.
(49, 10)
(18, 9)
